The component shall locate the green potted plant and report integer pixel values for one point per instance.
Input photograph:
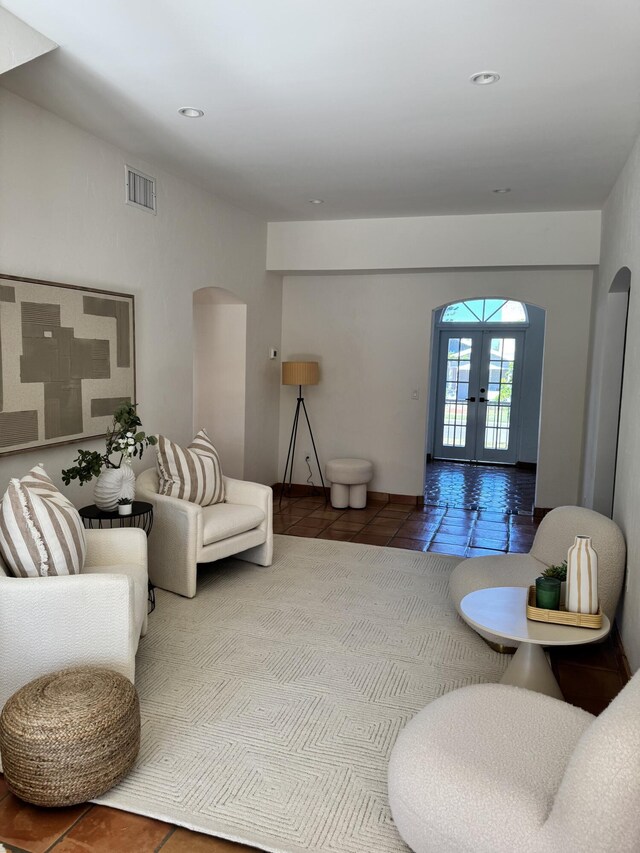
(124, 440)
(124, 506)
(555, 574)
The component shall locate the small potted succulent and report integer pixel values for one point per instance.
(124, 506)
(559, 571)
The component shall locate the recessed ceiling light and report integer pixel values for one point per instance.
(502, 190)
(316, 201)
(190, 112)
(484, 78)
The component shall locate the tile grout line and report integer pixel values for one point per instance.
(169, 834)
(69, 828)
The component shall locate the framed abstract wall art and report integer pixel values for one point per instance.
(67, 359)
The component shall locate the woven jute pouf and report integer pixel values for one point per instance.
(68, 737)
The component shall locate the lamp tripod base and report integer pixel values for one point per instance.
(288, 468)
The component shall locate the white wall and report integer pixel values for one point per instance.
(557, 238)
(220, 373)
(531, 388)
(372, 336)
(63, 218)
(621, 248)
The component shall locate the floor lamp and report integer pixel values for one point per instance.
(299, 373)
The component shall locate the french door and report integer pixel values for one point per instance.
(477, 395)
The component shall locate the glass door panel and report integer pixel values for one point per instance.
(499, 393)
(478, 383)
(456, 414)
(456, 392)
(497, 417)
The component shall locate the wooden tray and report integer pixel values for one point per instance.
(562, 616)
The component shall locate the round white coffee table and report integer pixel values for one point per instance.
(502, 611)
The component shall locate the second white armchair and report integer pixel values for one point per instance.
(91, 619)
(185, 534)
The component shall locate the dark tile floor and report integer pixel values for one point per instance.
(464, 485)
(443, 530)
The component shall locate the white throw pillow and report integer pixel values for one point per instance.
(191, 473)
(41, 532)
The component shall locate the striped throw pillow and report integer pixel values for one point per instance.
(41, 532)
(192, 473)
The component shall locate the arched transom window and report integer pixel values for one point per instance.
(485, 311)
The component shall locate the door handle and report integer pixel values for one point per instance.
(471, 399)
(482, 399)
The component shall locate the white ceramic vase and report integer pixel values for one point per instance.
(113, 484)
(582, 577)
(124, 509)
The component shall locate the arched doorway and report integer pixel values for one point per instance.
(484, 404)
(615, 338)
(219, 372)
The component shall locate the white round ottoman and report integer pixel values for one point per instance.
(478, 770)
(349, 478)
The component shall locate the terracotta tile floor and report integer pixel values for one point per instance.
(502, 488)
(590, 676)
(96, 829)
(442, 530)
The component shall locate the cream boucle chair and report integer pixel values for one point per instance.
(555, 535)
(185, 534)
(497, 769)
(94, 618)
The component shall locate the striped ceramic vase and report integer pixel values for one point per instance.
(582, 577)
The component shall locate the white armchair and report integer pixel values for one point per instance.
(555, 535)
(493, 768)
(185, 534)
(94, 618)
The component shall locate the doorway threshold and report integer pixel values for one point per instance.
(507, 489)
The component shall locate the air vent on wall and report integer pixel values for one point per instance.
(140, 190)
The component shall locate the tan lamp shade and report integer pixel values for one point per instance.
(300, 373)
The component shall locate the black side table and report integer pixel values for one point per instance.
(141, 516)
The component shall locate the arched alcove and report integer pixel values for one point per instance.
(219, 373)
(615, 335)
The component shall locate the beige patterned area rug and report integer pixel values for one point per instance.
(271, 701)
